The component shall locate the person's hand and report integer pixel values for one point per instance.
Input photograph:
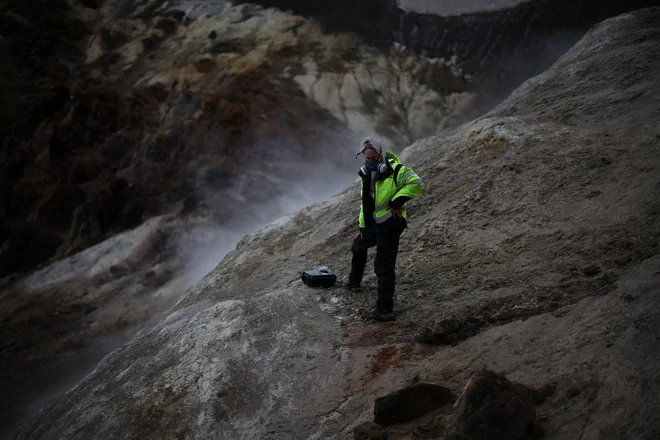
(359, 235)
(396, 212)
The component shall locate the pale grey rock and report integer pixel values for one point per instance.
(191, 373)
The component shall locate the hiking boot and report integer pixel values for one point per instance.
(353, 287)
(378, 315)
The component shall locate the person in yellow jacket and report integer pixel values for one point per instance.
(387, 185)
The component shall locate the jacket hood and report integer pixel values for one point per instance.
(392, 157)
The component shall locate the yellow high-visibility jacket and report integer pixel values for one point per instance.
(402, 183)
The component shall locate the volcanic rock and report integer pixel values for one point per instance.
(503, 227)
(492, 407)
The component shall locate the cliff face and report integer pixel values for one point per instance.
(500, 42)
(154, 112)
(533, 251)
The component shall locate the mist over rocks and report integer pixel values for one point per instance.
(562, 175)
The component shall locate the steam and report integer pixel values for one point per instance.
(310, 181)
(137, 276)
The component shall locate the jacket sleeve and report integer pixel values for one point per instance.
(361, 223)
(410, 186)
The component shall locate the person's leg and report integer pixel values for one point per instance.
(359, 260)
(387, 247)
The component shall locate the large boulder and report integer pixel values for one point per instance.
(492, 407)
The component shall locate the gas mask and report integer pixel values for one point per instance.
(373, 168)
(371, 165)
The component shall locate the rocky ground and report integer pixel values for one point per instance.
(533, 252)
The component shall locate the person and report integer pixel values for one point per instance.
(386, 187)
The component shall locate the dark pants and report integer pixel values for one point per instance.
(387, 247)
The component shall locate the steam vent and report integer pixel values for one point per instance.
(169, 169)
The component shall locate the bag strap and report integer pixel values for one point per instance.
(396, 173)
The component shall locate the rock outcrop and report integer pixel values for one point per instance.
(500, 42)
(520, 206)
(128, 110)
(492, 407)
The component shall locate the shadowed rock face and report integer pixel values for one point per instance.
(519, 207)
(503, 47)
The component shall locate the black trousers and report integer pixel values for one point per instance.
(386, 241)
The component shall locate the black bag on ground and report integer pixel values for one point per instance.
(320, 277)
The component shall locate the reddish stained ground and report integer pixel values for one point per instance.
(385, 358)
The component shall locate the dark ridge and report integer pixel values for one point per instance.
(504, 46)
